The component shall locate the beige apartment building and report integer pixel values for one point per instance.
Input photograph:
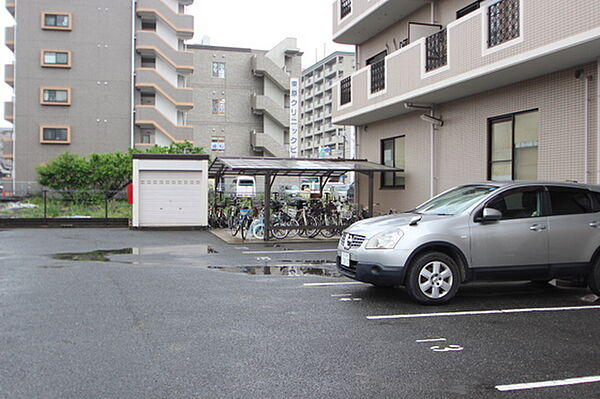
(94, 76)
(459, 91)
(319, 137)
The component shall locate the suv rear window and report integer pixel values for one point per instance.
(570, 201)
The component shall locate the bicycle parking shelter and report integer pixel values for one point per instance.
(271, 168)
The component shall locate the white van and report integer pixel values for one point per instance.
(245, 187)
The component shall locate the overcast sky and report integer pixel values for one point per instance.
(259, 24)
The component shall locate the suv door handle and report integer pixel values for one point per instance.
(594, 225)
(537, 227)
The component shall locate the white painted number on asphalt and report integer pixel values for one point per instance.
(449, 348)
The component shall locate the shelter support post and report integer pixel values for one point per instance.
(370, 195)
(267, 211)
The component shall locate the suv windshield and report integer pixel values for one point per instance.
(454, 201)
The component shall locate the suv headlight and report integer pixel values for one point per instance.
(387, 240)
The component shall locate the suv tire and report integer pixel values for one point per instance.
(433, 278)
(594, 277)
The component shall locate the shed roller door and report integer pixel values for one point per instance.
(171, 198)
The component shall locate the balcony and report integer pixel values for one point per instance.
(147, 116)
(495, 46)
(8, 111)
(182, 24)
(263, 66)
(263, 142)
(9, 37)
(7, 148)
(264, 105)
(10, 6)
(355, 21)
(150, 43)
(148, 79)
(9, 74)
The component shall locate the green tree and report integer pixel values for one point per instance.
(67, 172)
(110, 172)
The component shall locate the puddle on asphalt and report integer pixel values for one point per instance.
(280, 270)
(93, 256)
(105, 255)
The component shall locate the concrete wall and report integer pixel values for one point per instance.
(462, 143)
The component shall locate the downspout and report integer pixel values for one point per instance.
(133, 38)
(432, 9)
(432, 157)
(586, 127)
(598, 122)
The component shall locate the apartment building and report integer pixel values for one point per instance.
(242, 98)
(96, 77)
(319, 137)
(458, 91)
(6, 153)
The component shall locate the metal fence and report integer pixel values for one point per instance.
(44, 204)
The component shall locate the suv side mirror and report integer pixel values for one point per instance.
(491, 215)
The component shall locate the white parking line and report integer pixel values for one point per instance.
(331, 284)
(295, 251)
(482, 312)
(421, 341)
(547, 384)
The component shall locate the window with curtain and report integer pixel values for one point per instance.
(514, 147)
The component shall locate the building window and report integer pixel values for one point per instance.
(218, 106)
(513, 149)
(218, 70)
(55, 96)
(468, 9)
(148, 98)
(217, 144)
(56, 58)
(55, 134)
(56, 21)
(148, 62)
(149, 25)
(392, 154)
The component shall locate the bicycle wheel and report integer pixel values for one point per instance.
(311, 221)
(279, 234)
(328, 232)
(244, 227)
(258, 231)
(234, 226)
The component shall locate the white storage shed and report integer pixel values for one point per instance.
(170, 190)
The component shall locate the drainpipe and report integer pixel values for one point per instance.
(432, 157)
(598, 122)
(432, 8)
(133, 77)
(586, 124)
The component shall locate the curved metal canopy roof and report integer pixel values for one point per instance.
(259, 166)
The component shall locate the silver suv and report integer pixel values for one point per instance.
(489, 231)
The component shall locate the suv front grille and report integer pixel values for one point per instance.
(350, 241)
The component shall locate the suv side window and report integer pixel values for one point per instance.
(519, 204)
(596, 200)
(570, 201)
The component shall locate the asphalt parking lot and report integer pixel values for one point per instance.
(113, 313)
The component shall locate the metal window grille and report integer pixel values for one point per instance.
(437, 50)
(346, 7)
(378, 76)
(346, 91)
(503, 22)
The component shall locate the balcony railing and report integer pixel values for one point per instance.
(437, 50)
(378, 76)
(346, 91)
(345, 7)
(504, 24)
(446, 66)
